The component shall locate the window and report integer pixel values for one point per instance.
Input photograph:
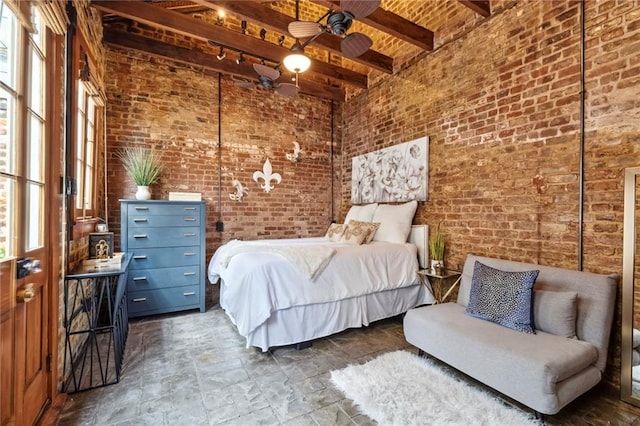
(88, 106)
(22, 136)
(85, 151)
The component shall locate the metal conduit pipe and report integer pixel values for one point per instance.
(582, 119)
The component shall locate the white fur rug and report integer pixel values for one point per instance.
(399, 388)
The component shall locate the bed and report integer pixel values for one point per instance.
(292, 291)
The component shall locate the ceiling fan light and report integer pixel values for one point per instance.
(297, 62)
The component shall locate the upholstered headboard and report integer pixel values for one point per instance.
(420, 237)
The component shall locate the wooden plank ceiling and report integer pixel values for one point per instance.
(330, 79)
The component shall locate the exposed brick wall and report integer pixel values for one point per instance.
(501, 106)
(175, 108)
(89, 24)
(499, 99)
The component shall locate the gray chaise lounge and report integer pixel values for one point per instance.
(542, 371)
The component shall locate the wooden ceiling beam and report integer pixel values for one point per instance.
(162, 18)
(183, 55)
(478, 6)
(279, 22)
(393, 24)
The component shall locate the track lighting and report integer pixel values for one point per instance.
(221, 55)
(243, 25)
(221, 16)
(263, 33)
(280, 40)
(240, 58)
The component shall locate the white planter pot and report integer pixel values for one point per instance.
(437, 264)
(143, 193)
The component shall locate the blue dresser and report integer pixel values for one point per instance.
(167, 242)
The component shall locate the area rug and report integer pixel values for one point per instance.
(399, 388)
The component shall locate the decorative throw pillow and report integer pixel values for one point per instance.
(502, 297)
(356, 233)
(395, 221)
(554, 312)
(335, 231)
(362, 213)
(370, 226)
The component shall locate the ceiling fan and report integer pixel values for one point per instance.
(352, 45)
(267, 77)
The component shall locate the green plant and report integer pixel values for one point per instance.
(142, 164)
(436, 244)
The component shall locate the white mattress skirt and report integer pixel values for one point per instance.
(303, 323)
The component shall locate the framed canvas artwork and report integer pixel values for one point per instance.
(396, 174)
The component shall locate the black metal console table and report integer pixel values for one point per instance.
(96, 325)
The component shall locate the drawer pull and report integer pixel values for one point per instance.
(191, 293)
(142, 208)
(189, 254)
(186, 274)
(190, 234)
(189, 219)
(189, 208)
(140, 220)
(140, 299)
(139, 278)
(139, 257)
(140, 236)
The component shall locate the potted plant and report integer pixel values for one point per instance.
(143, 165)
(436, 248)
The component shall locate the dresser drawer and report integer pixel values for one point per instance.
(163, 300)
(136, 209)
(147, 258)
(166, 240)
(151, 279)
(163, 237)
(145, 221)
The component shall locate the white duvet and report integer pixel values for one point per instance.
(259, 283)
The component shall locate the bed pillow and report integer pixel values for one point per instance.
(357, 232)
(502, 297)
(395, 221)
(554, 312)
(362, 213)
(335, 231)
(372, 227)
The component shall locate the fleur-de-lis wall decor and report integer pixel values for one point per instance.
(295, 155)
(267, 176)
(241, 191)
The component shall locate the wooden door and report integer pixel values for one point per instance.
(32, 346)
(7, 340)
(25, 375)
(24, 348)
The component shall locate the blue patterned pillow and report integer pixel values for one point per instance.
(502, 297)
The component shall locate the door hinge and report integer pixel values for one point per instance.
(48, 361)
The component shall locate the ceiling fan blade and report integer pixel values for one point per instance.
(270, 73)
(304, 29)
(359, 8)
(287, 89)
(355, 44)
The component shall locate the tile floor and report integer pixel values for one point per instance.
(193, 369)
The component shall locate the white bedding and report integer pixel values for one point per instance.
(257, 284)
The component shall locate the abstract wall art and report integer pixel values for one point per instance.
(395, 174)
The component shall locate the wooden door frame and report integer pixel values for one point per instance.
(54, 225)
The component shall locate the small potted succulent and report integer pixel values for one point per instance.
(436, 249)
(143, 165)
